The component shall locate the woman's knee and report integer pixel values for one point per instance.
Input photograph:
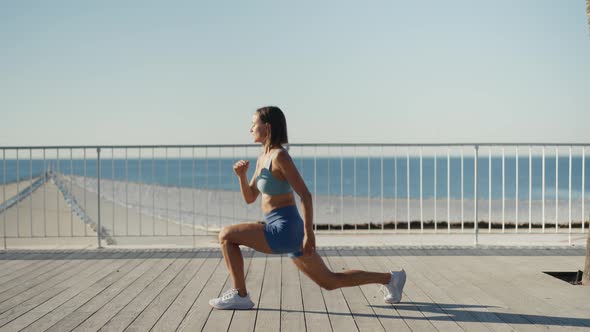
(332, 282)
(225, 235)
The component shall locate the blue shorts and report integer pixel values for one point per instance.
(283, 231)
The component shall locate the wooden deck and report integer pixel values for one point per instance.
(167, 290)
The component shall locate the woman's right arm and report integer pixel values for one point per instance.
(249, 191)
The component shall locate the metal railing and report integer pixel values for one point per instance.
(115, 193)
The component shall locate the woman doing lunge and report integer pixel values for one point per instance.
(283, 231)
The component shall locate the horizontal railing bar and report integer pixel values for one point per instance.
(484, 144)
(319, 231)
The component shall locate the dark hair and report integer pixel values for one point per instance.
(278, 124)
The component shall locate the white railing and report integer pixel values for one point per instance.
(117, 193)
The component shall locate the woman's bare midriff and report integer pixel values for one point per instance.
(270, 203)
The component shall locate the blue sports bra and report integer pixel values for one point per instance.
(268, 184)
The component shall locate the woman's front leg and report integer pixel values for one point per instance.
(230, 238)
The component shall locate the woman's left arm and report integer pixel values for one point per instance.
(291, 174)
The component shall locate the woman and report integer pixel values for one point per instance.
(283, 230)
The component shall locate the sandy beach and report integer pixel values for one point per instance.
(218, 207)
(45, 219)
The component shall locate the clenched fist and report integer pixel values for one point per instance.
(241, 167)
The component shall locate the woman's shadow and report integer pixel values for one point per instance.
(458, 313)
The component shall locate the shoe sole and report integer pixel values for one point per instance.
(233, 307)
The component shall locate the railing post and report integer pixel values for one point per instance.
(556, 188)
(18, 196)
(503, 190)
(113, 189)
(368, 187)
(193, 191)
(71, 193)
(126, 194)
(570, 197)
(180, 225)
(139, 182)
(530, 189)
(31, 193)
(542, 191)
(516, 194)
(395, 152)
(448, 189)
(98, 196)
(462, 191)
(315, 181)
(341, 188)
(218, 186)
(435, 191)
(583, 185)
(421, 195)
(490, 190)
(475, 196)
(382, 221)
(45, 175)
(408, 187)
(85, 209)
(153, 193)
(4, 197)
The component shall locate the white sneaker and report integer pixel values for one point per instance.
(394, 289)
(231, 300)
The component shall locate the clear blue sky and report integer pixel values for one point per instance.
(192, 72)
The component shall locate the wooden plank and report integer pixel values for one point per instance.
(173, 265)
(564, 298)
(387, 314)
(128, 274)
(7, 260)
(150, 316)
(24, 271)
(15, 288)
(438, 289)
(29, 272)
(408, 311)
(465, 309)
(363, 314)
(510, 291)
(245, 320)
(338, 311)
(176, 312)
(433, 276)
(443, 271)
(482, 275)
(74, 287)
(31, 291)
(464, 289)
(314, 306)
(565, 302)
(219, 320)
(514, 293)
(292, 316)
(19, 261)
(8, 257)
(115, 271)
(197, 315)
(524, 275)
(269, 307)
(102, 316)
(44, 292)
